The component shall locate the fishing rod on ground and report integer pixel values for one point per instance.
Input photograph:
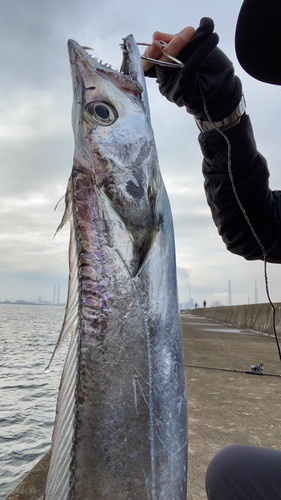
(255, 370)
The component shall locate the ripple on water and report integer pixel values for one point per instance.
(28, 395)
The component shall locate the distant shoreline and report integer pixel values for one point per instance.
(27, 303)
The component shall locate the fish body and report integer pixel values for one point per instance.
(120, 428)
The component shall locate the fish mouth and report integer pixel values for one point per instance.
(131, 64)
(131, 72)
(126, 63)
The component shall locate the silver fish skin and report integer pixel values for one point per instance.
(120, 428)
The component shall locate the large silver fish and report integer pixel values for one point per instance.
(120, 429)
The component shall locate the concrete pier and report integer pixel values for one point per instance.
(32, 485)
(253, 316)
(226, 405)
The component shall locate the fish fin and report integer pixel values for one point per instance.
(57, 204)
(68, 207)
(59, 342)
(71, 311)
(59, 473)
(58, 481)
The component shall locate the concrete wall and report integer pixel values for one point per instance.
(253, 316)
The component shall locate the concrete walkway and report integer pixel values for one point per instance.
(224, 406)
(228, 407)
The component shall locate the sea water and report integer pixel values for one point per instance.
(28, 394)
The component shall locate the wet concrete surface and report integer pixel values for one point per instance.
(224, 406)
(228, 406)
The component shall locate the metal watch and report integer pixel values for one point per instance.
(233, 118)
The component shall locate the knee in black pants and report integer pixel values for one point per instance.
(240, 472)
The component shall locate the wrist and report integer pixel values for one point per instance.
(228, 122)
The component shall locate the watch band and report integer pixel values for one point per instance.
(233, 118)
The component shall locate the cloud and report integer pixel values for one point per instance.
(37, 142)
(183, 276)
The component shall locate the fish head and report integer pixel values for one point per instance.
(90, 75)
(114, 141)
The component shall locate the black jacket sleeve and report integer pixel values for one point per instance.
(251, 175)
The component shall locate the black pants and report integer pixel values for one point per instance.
(240, 472)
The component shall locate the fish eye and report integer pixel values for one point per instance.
(101, 113)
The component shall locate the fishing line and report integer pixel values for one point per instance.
(229, 168)
(247, 372)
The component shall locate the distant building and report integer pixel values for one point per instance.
(58, 299)
(187, 305)
(216, 303)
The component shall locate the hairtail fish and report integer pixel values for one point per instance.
(120, 427)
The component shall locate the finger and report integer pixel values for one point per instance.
(178, 41)
(175, 45)
(160, 35)
(154, 51)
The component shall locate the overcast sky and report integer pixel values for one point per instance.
(37, 143)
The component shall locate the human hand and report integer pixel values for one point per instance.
(207, 75)
(175, 44)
